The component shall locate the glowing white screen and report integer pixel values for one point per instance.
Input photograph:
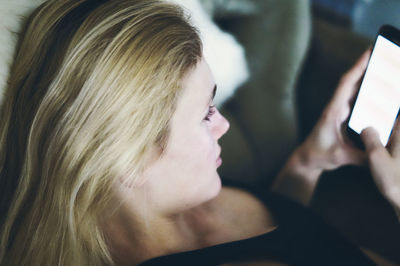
(379, 98)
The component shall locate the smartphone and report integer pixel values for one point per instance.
(378, 100)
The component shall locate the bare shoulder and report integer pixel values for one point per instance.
(240, 215)
(244, 207)
(236, 214)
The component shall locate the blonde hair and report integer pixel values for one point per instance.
(92, 88)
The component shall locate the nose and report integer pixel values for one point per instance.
(221, 125)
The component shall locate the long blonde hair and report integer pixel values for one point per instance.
(92, 88)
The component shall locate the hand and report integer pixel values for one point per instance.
(384, 163)
(327, 147)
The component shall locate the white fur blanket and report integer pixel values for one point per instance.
(224, 55)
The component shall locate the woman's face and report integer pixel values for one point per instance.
(186, 173)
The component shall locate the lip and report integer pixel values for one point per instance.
(219, 162)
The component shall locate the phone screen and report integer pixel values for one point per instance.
(378, 100)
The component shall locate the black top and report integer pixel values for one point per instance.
(302, 238)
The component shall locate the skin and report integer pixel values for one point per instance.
(181, 205)
(327, 147)
(185, 174)
(384, 164)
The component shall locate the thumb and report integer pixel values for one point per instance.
(378, 157)
(377, 154)
(370, 138)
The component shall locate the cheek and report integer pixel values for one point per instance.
(186, 174)
(197, 152)
(204, 147)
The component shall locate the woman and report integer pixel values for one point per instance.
(109, 147)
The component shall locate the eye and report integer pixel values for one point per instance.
(211, 111)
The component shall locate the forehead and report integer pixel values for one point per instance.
(198, 87)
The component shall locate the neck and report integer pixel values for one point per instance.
(133, 240)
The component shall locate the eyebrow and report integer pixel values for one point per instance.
(213, 94)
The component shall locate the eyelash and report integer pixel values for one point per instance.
(211, 111)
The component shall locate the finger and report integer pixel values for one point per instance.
(355, 73)
(376, 152)
(355, 156)
(394, 142)
(371, 140)
(347, 85)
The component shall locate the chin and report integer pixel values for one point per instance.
(216, 186)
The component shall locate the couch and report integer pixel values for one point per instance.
(295, 61)
(296, 57)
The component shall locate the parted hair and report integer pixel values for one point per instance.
(92, 88)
